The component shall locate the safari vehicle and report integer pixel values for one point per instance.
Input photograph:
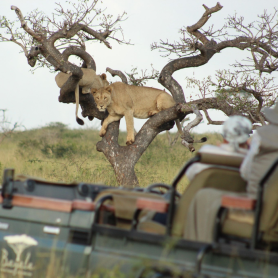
(86, 230)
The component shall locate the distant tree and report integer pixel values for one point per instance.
(6, 127)
(49, 41)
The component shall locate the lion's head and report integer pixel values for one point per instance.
(102, 82)
(102, 97)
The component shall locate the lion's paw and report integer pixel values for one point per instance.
(129, 141)
(151, 113)
(102, 132)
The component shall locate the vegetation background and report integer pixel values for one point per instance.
(57, 153)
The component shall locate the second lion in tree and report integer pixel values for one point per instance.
(130, 101)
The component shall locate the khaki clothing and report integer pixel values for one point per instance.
(203, 209)
(202, 213)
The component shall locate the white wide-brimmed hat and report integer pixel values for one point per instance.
(271, 114)
(237, 129)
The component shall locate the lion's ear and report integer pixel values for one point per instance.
(93, 90)
(103, 76)
(109, 89)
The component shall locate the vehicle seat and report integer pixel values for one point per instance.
(124, 202)
(240, 223)
(228, 179)
(223, 174)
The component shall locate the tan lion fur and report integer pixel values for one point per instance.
(130, 101)
(89, 80)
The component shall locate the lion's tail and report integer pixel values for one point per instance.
(202, 140)
(79, 121)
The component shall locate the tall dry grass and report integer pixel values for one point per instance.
(57, 153)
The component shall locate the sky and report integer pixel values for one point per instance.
(32, 98)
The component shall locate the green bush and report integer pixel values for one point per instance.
(56, 125)
(60, 150)
(29, 143)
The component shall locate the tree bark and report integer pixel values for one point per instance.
(124, 158)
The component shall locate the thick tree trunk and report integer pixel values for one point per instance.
(125, 173)
(122, 158)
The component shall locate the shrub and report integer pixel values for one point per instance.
(59, 150)
(29, 143)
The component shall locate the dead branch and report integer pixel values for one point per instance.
(210, 121)
(187, 140)
(177, 135)
(194, 29)
(134, 79)
(117, 73)
(24, 24)
(43, 37)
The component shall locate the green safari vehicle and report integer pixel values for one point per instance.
(50, 229)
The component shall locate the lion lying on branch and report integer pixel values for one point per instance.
(130, 101)
(89, 80)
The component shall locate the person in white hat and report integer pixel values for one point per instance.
(263, 151)
(236, 131)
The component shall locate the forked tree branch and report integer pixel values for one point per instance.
(77, 27)
(187, 140)
(210, 121)
(194, 29)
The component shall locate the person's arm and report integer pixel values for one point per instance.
(245, 168)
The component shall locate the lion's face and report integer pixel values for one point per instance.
(102, 97)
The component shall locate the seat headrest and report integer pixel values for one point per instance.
(228, 159)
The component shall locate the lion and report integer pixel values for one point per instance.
(130, 101)
(89, 80)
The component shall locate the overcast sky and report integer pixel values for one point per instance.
(32, 99)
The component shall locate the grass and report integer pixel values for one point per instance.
(57, 153)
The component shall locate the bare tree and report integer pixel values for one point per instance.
(50, 41)
(6, 127)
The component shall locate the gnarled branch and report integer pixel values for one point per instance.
(202, 21)
(117, 73)
(89, 62)
(187, 140)
(32, 55)
(24, 24)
